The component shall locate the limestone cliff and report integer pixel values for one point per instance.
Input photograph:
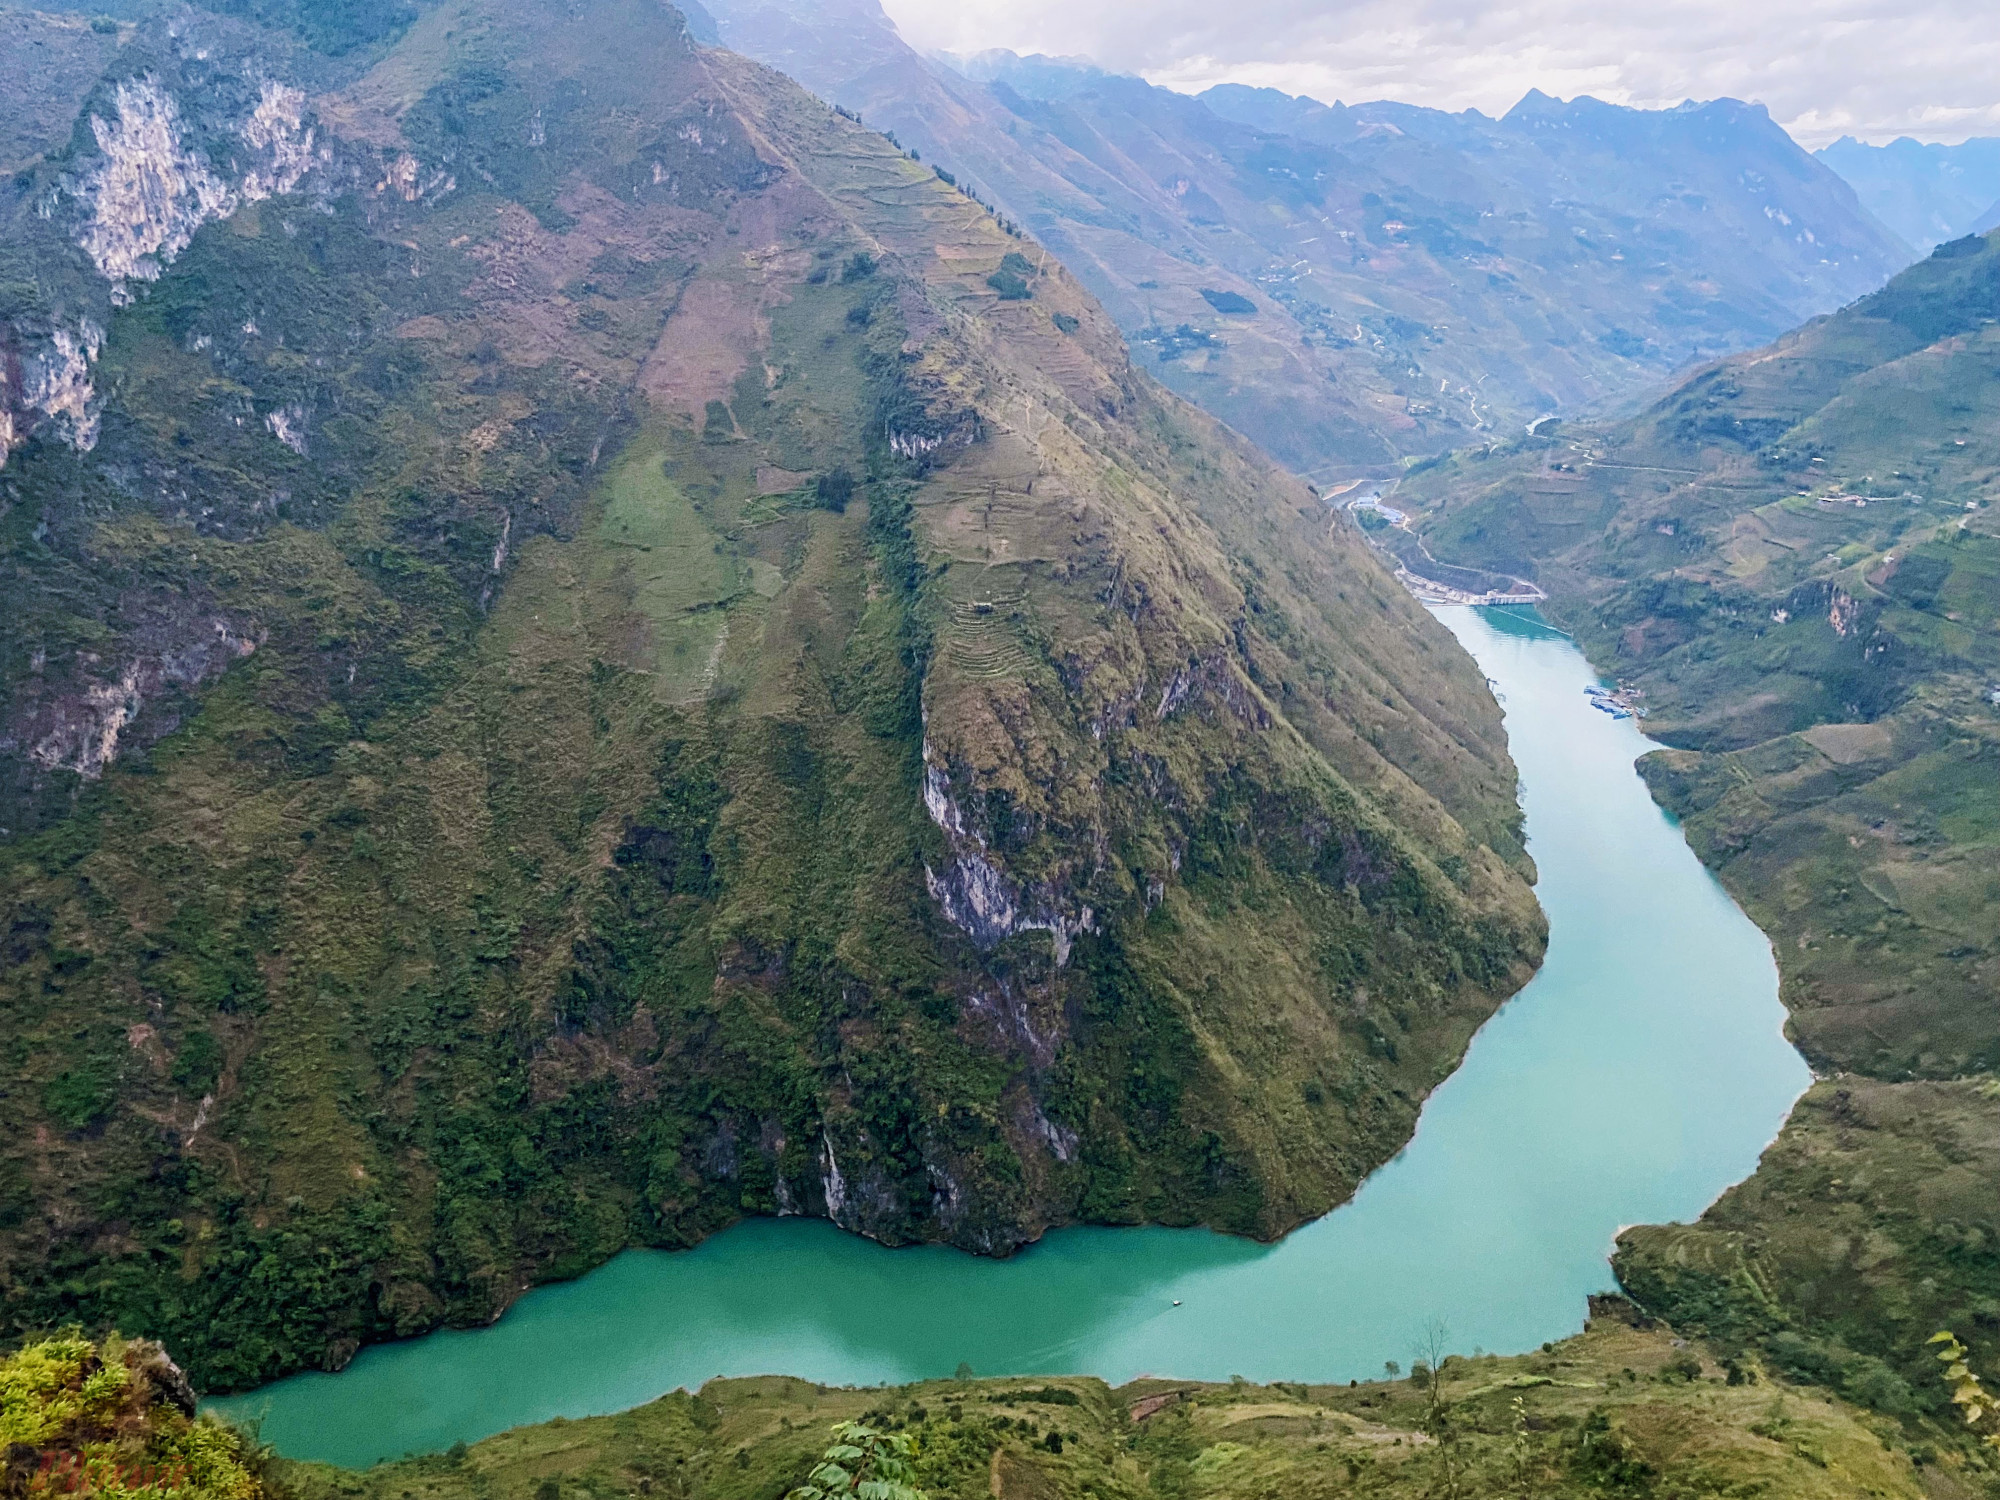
(624, 656)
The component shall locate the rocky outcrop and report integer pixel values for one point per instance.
(280, 141)
(81, 727)
(978, 896)
(136, 208)
(149, 193)
(59, 386)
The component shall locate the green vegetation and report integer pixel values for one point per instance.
(865, 1463)
(604, 586)
(1228, 303)
(1968, 1393)
(1616, 1411)
(335, 27)
(1012, 280)
(1861, 1230)
(1794, 561)
(115, 1419)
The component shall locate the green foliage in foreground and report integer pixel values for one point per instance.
(1616, 1411)
(114, 1419)
(864, 1463)
(1968, 1393)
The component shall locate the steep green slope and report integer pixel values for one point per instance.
(1614, 1411)
(1794, 562)
(1348, 287)
(592, 650)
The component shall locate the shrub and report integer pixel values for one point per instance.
(1228, 302)
(833, 490)
(864, 1462)
(117, 1419)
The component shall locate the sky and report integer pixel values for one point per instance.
(1875, 69)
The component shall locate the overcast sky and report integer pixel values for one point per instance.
(1872, 68)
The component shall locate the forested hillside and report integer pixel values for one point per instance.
(591, 650)
(1794, 562)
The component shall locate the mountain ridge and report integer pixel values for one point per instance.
(1927, 193)
(1403, 294)
(598, 651)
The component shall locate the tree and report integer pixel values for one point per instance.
(1431, 1355)
(834, 489)
(1981, 1411)
(865, 1464)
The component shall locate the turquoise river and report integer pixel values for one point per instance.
(1639, 1074)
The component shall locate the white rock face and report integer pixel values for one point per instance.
(59, 386)
(277, 132)
(87, 741)
(937, 798)
(288, 426)
(149, 194)
(912, 445)
(143, 201)
(976, 895)
(83, 732)
(832, 1184)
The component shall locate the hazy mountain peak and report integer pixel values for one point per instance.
(1928, 193)
(1034, 76)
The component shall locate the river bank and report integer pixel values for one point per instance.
(1638, 1075)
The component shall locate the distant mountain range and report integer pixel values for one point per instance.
(1926, 193)
(1351, 286)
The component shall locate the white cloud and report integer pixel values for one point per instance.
(1872, 68)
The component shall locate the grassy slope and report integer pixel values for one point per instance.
(552, 873)
(1824, 669)
(1612, 1411)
